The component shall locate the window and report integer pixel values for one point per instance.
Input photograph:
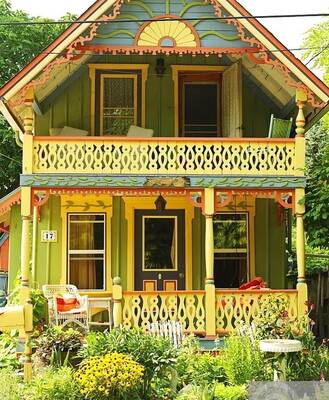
(86, 251)
(199, 104)
(117, 97)
(118, 109)
(231, 249)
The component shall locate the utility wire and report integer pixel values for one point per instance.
(63, 53)
(79, 22)
(9, 158)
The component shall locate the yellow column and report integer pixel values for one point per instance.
(300, 253)
(117, 302)
(301, 100)
(26, 206)
(210, 301)
(25, 295)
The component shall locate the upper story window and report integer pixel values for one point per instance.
(119, 103)
(118, 97)
(231, 247)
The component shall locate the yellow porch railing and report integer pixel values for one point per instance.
(141, 308)
(235, 308)
(165, 156)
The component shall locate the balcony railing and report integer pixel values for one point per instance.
(164, 156)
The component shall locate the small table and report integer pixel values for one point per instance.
(103, 303)
(280, 347)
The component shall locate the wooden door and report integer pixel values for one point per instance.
(159, 250)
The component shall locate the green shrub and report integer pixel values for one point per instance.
(311, 364)
(113, 376)
(54, 384)
(242, 360)
(8, 357)
(193, 392)
(155, 353)
(223, 392)
(200, 369)
(56, 343)
(11, 386)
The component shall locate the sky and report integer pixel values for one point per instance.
(289, 31)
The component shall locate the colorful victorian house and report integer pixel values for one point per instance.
(149, 157)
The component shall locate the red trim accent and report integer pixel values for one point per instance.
(50, 48)
(215, 3)
(259, 26)
(4, 230)
(9, 201)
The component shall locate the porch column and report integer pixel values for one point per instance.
(300, 253)
(26, 209)
(24, 293)
(301, 99)
(210, 301)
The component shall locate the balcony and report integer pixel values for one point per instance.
(196, 162)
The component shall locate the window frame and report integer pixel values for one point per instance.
(91, 252)
(249, 251)
(202, 78)
(198, 69)
(102, 96)
(122, 70)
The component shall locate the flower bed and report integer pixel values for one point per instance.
(130, 364)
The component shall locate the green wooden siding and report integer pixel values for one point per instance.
(71, 107)
(269, 244)
(14, 245)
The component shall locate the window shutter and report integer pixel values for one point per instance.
(232, 101)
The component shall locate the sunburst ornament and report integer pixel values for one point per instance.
(167, 34)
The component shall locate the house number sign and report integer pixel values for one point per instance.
(49, 236)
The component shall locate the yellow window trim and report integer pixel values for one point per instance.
(78, 207)
(116, 67)
(176, 69)
(147, 203)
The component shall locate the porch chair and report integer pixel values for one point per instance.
(279, 128)
(66, 306)
(173, 330)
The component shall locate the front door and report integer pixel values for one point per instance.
(159, 250)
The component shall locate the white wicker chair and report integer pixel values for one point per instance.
(78, 316)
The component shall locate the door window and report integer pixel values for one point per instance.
(200, 105)
(159, 243)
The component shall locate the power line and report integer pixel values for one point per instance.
(63, 53)
(225, 18)
(9, 158)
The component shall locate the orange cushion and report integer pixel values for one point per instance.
(67, 303)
